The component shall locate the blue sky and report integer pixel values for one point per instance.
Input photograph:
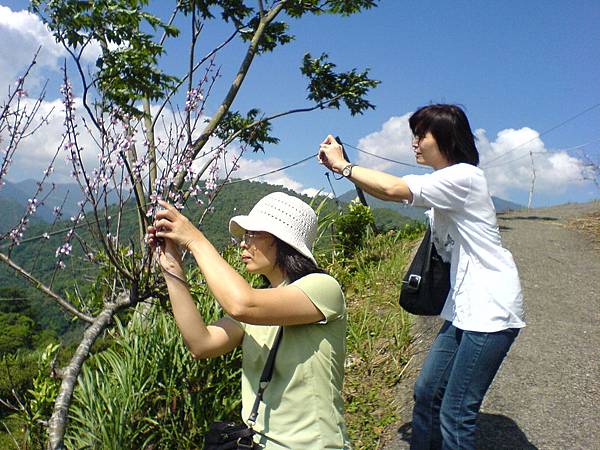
(519, 68)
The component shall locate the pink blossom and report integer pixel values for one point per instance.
(32, 205)
(64, 249)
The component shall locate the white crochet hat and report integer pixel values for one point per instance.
(284, 216)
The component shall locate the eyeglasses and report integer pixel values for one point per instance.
(249, 237)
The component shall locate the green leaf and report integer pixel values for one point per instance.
(330, 88)
(255, 136)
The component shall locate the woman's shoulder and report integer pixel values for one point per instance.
(318, 279)
(461, 174)
(325, 293)
(460, 169)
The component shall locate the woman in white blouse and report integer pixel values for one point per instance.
(483, 311)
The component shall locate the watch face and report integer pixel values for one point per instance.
(347, 170)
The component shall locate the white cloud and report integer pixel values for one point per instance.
(393, 141)
(35, 151)
(22, 34)
(507, 162)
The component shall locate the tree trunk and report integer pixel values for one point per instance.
(58, 421)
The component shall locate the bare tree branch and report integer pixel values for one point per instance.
(196, 66)
(233, 90)
(43, 288)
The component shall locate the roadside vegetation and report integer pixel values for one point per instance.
(590, 223)
(142, 389)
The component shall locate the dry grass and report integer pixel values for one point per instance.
(590, 224)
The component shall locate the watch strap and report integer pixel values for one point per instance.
(347, 170)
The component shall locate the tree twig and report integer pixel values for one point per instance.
(233, 89)
(43, 288)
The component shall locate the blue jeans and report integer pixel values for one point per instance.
(454, 378)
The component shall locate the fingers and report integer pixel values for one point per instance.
(166, 205)
(169, 211)
(151, 239)
(329, 140)
(165, 214)
(162, 226)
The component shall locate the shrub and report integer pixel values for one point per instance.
(352, 227)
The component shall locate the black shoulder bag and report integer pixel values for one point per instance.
(233, 435)
(427, 281)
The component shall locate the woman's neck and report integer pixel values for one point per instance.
(275, 277)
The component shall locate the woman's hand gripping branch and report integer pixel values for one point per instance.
(170, 232)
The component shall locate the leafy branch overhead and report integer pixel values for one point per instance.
(297, 8)
(327, 86)
(128, 68)
(250, 131)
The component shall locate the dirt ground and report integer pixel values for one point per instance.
(547, 392)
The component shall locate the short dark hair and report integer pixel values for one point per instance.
(450, 127)
(293, 263)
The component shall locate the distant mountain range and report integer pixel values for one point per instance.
(417, 213)
(51, 194)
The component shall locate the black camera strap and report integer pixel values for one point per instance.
(265, 378)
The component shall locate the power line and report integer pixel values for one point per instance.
(274, 171)
(564, 122)
(384, 158)
(575, 147)
(34, 238)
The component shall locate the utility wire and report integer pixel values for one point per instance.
(564, 122)
(34, 238)
(575, 147)
(273, 171)
(384, 158)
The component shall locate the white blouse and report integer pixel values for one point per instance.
(485, 293)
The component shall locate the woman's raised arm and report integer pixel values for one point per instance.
(379, 184)
(203, 341)
(277, 306)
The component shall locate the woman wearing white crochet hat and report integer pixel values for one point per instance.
(302, 407)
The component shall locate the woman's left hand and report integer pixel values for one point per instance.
(173, 225)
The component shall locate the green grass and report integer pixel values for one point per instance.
(378, 336)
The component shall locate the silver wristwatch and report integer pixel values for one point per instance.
(347, 171)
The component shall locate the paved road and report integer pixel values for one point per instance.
(547, 393)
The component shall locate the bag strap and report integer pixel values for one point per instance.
(430, 248)
(265, 378)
